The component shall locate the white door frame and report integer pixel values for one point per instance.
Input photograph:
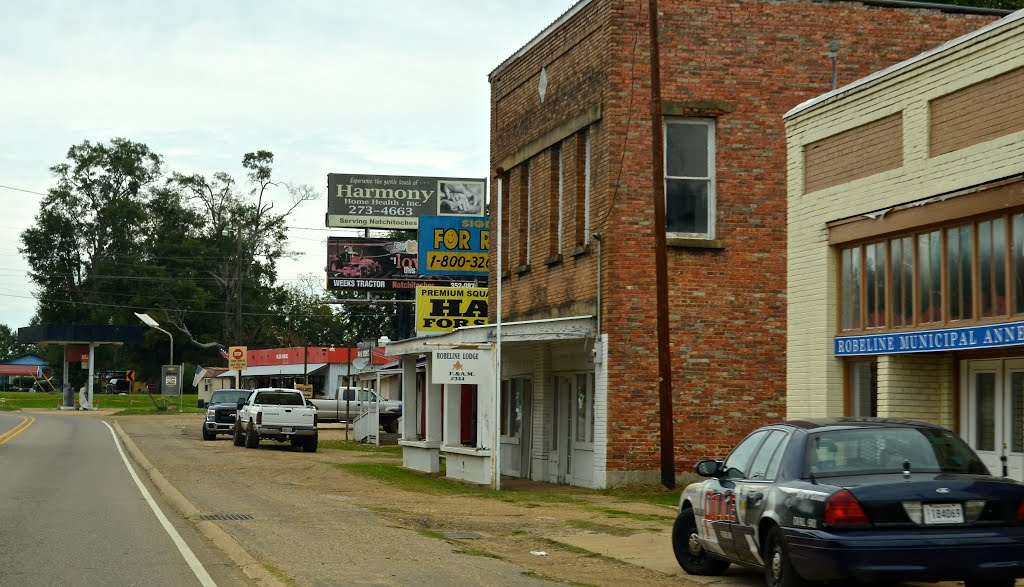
(1001, 374)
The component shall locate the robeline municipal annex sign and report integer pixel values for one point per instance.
(930, 341)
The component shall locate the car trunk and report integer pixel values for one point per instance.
(934, 499)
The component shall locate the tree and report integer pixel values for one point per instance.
(246, 238)
(113, 237)
(10, 348)
(87, 230)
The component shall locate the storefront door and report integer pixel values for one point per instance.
(560, 454)
(993, 414)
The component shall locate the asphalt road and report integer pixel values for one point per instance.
(73, 513)
(286, 509)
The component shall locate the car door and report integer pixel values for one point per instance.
(752, 493)
(719, 499)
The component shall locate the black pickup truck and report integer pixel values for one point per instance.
(220, 412)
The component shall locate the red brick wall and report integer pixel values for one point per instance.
(727, 306)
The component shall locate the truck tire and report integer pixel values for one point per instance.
(252, 440)
(207, 435)
(310, 444)
(391, 426)
(238, 438)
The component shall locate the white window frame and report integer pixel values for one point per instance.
(588, 431)
(529, 210)
(561, 199)
(710, 178)
(507, 413)
(586, 187)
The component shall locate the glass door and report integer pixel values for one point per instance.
(994, 414)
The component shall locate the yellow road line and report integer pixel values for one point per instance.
(21, 427)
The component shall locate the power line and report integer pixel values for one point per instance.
(356, 303)
(22, 190)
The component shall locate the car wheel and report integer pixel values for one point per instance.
(688, 550)
(778, 570)
(207, 435)
(310, 444)
(252, 440)
(238, 438)
(391, 426)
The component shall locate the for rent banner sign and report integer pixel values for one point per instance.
(450, 245)
(443, 309)
(396, 202)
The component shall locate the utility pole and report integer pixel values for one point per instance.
(668, 475)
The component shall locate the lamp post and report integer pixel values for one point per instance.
(153, 324)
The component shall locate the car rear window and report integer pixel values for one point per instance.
(228, 397)
(278, 398)
(867, 451)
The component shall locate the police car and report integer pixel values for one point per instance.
(868, 499)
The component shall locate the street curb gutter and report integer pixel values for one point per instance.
(221, 539)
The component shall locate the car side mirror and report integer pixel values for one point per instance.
(708, 468)
(202, 403)
(241, 403)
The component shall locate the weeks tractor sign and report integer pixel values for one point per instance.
(443, 309)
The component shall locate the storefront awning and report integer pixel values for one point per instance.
(268, 370)
(574, 327)
(19, 370)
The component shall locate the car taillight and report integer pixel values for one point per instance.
(843, 508)
(259, 417)
(316, 418)
(1020, 511)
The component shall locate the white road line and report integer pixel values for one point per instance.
(186, 552)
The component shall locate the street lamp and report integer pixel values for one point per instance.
(153, 324)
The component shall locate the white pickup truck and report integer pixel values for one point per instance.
(280, 414)
(345, 403)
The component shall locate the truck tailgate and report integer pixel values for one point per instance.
(288, 416)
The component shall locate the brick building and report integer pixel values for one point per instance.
(571, 147)
(911, 265)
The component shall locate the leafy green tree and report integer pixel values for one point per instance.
(244, 237)
(199, 254)
(10, 348)
(88, 228)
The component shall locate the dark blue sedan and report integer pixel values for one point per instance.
(869, 499)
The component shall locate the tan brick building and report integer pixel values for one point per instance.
(906, 244)
(571, 149)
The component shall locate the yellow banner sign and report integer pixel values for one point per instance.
(443, 309)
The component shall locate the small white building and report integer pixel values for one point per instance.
(545, 431)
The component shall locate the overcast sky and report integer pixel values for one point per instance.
(330, 86)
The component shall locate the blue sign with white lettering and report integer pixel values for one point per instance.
(930, 341)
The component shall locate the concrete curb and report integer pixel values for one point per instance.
(251, 567)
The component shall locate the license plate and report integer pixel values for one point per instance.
(289, 431)
(945, 513)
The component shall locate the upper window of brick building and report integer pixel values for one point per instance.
(690, 177)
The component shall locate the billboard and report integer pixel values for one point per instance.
(451, 245)
(443, 309)
(381, 264)
(396, 202)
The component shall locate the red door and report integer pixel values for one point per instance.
(468, 419)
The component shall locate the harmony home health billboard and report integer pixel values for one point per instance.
(381, 264)
(443, 309)
(396, 202)
(450, 245)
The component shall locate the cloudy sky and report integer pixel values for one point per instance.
(343, 86)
